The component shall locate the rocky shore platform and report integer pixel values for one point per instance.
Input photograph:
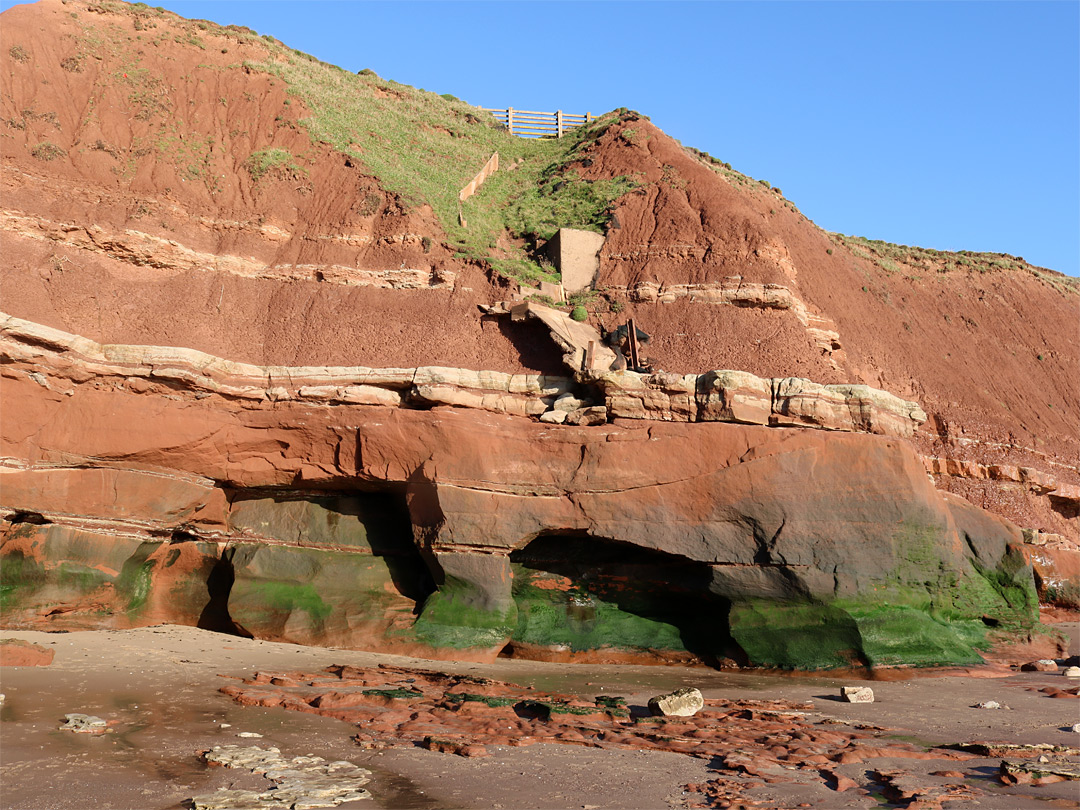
(515, 734)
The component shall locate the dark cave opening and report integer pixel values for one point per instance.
(215, 615)
(578, 591)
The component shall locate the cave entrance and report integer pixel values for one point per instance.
(328, 567)
(584, 594)
(215, 616)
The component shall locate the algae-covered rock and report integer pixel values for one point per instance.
(473, 607)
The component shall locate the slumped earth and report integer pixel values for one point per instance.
(764, 741)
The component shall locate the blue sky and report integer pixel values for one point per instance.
(947, 125)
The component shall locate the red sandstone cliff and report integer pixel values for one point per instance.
(130, 216)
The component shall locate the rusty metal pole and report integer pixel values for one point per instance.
(631, 336)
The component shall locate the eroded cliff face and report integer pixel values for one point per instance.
(276, 403)
(139, 489)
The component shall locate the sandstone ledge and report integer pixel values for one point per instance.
(737, 396)
(58, 360)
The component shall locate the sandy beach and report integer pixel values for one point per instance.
(158, 687)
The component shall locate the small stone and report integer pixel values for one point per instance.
(987, 704)
(680, 703)
(553, 417)
(1071, 672)
(1042, 665)
(84, 724)
(857, 694)
(1076, 727)
(248, 734)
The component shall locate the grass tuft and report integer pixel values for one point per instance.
(278, 162)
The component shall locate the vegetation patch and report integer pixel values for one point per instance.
(288, 597)
(584, 621)
(425, 147)
(397, 694)
(277, 162)
(464, 697)
(915, 260)
(457, 616)
(47, 150)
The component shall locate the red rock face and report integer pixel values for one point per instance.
(126, 492)
(16, 653)
(170, 490)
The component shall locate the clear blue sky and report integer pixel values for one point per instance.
(952, 125)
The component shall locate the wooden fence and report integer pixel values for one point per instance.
(529, 124)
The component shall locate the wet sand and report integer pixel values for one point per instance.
(159, 688)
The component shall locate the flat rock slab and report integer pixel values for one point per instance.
(1027, 771)
(302, 782)
(84, 724)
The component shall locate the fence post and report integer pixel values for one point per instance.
(510, 119)
(588, 117)
(558, 123)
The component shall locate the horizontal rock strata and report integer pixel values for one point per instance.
(160, 253)
(143, 485)
(734, 291)
(74, 360)
(736, 396)
(718, 396)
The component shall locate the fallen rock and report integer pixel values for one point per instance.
(989, 749)
(588, 417)
(857, 694)
(553, 417)
(15, 652)
(680, 703)
(1076, 727)
(1042, 665)
(568, 403)
(1071, 672)
(84, 724)
(989, 704)
(1038, 773)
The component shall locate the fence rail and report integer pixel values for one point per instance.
(532, 124)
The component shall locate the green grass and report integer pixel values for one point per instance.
(907, 259)
(426, 147)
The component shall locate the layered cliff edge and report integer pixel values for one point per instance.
(172, 183)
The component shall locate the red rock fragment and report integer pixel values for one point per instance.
(18, 653)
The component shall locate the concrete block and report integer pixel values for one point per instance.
(576, 255)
